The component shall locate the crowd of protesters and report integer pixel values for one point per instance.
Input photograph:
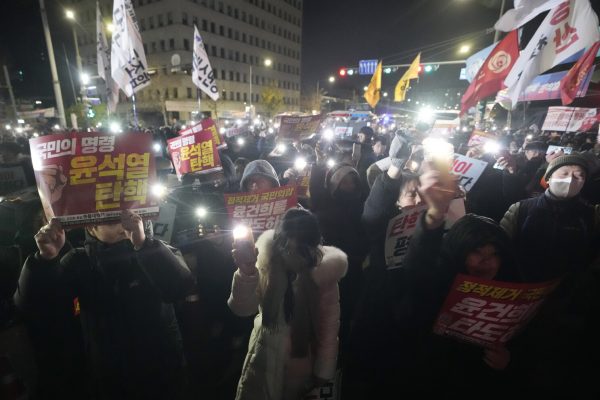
(313, 301)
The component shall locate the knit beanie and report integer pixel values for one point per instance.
(567, 159)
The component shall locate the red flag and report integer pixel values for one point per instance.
(571, 83)
(490, 77)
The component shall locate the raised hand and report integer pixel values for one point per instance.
(50, 239)
(134, 226)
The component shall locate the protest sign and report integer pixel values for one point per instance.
(489, 313)
(297, 128)
(261, 210)
(12, 179)
(469, 170)
(303, 181)
(163, 226)
(206, 125)
(194, 153)
(554, 149)
(570, 119)
(402, 227)
(86, 178)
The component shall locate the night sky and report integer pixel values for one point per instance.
(336, 33)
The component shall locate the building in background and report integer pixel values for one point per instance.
(239, 35)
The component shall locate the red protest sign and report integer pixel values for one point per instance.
(489, 313)
(86, 178)
(206, 125)
(194, 153)
(260, 211)
(299, 127)
(303, 181)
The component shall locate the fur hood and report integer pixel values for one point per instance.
(330, 270)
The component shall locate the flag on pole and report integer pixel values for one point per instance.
(103, 56)
(523, 12)
(203, 75)
(566, 30)
(571, 83)
(491, 75)
(129, 68)
(373, 93)
(404, 83)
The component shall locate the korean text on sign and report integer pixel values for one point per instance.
(262, 210)
(206, 125)
(90, 178)
(194, 153)
(487, 312)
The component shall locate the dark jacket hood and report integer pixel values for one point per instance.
(259, 167)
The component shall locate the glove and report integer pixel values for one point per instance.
(399, 150)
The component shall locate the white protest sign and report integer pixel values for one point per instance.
(402, 227)
(469, 170)
(163, 226)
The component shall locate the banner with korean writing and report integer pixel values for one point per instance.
(206, 125)
(12, 179)
(261, 210)
(489, 313)
(469, 170)
(86, 178)
(547, 87)
(299, 127)
(570, 119)
(194, 153)
(402, 227)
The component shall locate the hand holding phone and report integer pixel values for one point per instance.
(244, 253)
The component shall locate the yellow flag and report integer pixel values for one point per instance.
(404, 82)
(373, 93)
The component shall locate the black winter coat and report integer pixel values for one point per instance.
(131, 337)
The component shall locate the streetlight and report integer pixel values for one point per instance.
(110, 27)
(70, 14)
(268, 62)
(464, 49)
(85, 78)
(331, 79)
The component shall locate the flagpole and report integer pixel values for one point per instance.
(199, 108)
(135, 116)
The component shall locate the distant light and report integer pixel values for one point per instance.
(300, 163)
(331, 163)
(114, 127)
(222, 130)
(226, 122)
(99, 125)
(276, 125)
(201, 212)
(110, 27)
(428, 68)
(183, 127)
(157, 147)
(7, 127)
(529, 137)
(268, 62)
(387, 70)
(506, 128)
(425, 114)
(385, 94)
(464, 49)
(238, 122)
(257, 121)
(21, 121)
(350, 72)
(158, 190)
(240, 141)
(465, 129)
(240, 232)
(365, 88)
(343, 71)
(494, 127)
(281, 148)
(85, 78)
(19, 129)
(70, 14)
(35, 134)
(270, 130)
(56, 127)
(38, 102)
(332, 79)
(328, 134)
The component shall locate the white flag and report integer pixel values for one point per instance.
(566, 30)
(524, 12)
(128, 60)
(103, 56)
(203, 75)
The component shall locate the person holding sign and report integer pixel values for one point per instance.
(125, 283)
(291, 280)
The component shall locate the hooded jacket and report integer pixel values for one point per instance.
(130, 333)
(269, 371)
(258, 167)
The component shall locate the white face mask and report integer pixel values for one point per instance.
(566, 188)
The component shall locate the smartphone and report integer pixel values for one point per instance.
(243, 243)
(505, 154)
